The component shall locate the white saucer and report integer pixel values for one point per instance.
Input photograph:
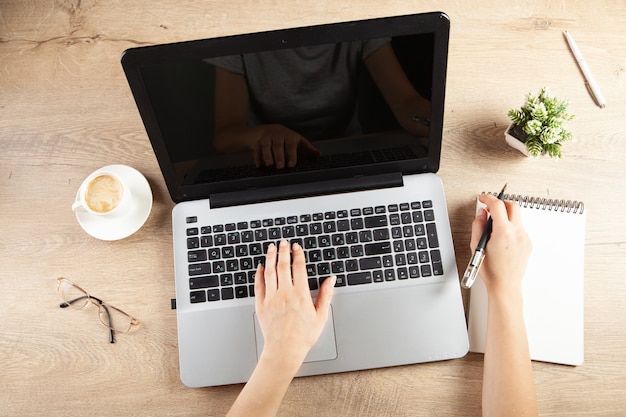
(119, 226)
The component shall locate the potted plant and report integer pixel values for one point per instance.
(537, 126)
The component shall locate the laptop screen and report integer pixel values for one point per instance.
(292, 106)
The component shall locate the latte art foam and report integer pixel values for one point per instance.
(104, 194)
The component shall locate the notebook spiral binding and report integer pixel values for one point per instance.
(569, 206)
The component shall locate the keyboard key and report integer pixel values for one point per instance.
(241, 291)
(226, 280)
(330, 227)
(206, 241)
(373, 222)
(220, 239)
(356, 251)
(246, 264)
(431, 233)
(343, 225)
(199, 269)
(377, 248)
(403, 273)
(234, 238)
(302, 230)
(193, 243)
(203, 282)
(324, 241)
(337, 267)
(323, 269)
(360, 278)
(310, 243)
(352, 265)
(260, 235)
(377, 276)
(240, 278)
(315, 255)
(197, 297)
(232, 265)
(429, 215)
(219, 267)
(329, 254)
(228, 293)
(356, 223)
(213, 295)
(365, 236)
(381, 234)
(417, 216)
(373, 262)
(197, 255)
(315, 228)
(390, 275)
(288, 232)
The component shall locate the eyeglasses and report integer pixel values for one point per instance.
(112, 317)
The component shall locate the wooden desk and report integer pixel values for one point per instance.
(66, 109)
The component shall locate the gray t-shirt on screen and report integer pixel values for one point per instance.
(311, 90)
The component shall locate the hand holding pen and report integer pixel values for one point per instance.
(509, 248)
(471, 272)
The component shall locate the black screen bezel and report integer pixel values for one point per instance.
(436, 23)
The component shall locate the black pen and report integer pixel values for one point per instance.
(479, 253)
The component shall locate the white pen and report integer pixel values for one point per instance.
(589, 80)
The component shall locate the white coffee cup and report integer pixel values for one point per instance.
(103, 193)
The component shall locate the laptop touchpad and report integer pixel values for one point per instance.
(325, 349)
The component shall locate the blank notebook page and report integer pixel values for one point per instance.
(553, 286)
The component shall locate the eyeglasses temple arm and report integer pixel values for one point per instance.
(65, 304)
(111, 332)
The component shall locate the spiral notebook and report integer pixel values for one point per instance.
(553, 283)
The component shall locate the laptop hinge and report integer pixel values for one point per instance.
(360, 183)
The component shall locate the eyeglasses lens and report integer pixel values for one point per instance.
(72, 295)
(114, 318)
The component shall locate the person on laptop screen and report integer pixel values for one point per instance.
(291, 323)
(278, 103)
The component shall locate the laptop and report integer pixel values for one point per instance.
(358, 190)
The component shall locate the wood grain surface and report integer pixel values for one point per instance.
(66, 110)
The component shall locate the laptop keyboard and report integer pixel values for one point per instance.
(360, 246)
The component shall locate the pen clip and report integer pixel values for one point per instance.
(593, 95)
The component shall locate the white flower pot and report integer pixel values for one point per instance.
(514, 142)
